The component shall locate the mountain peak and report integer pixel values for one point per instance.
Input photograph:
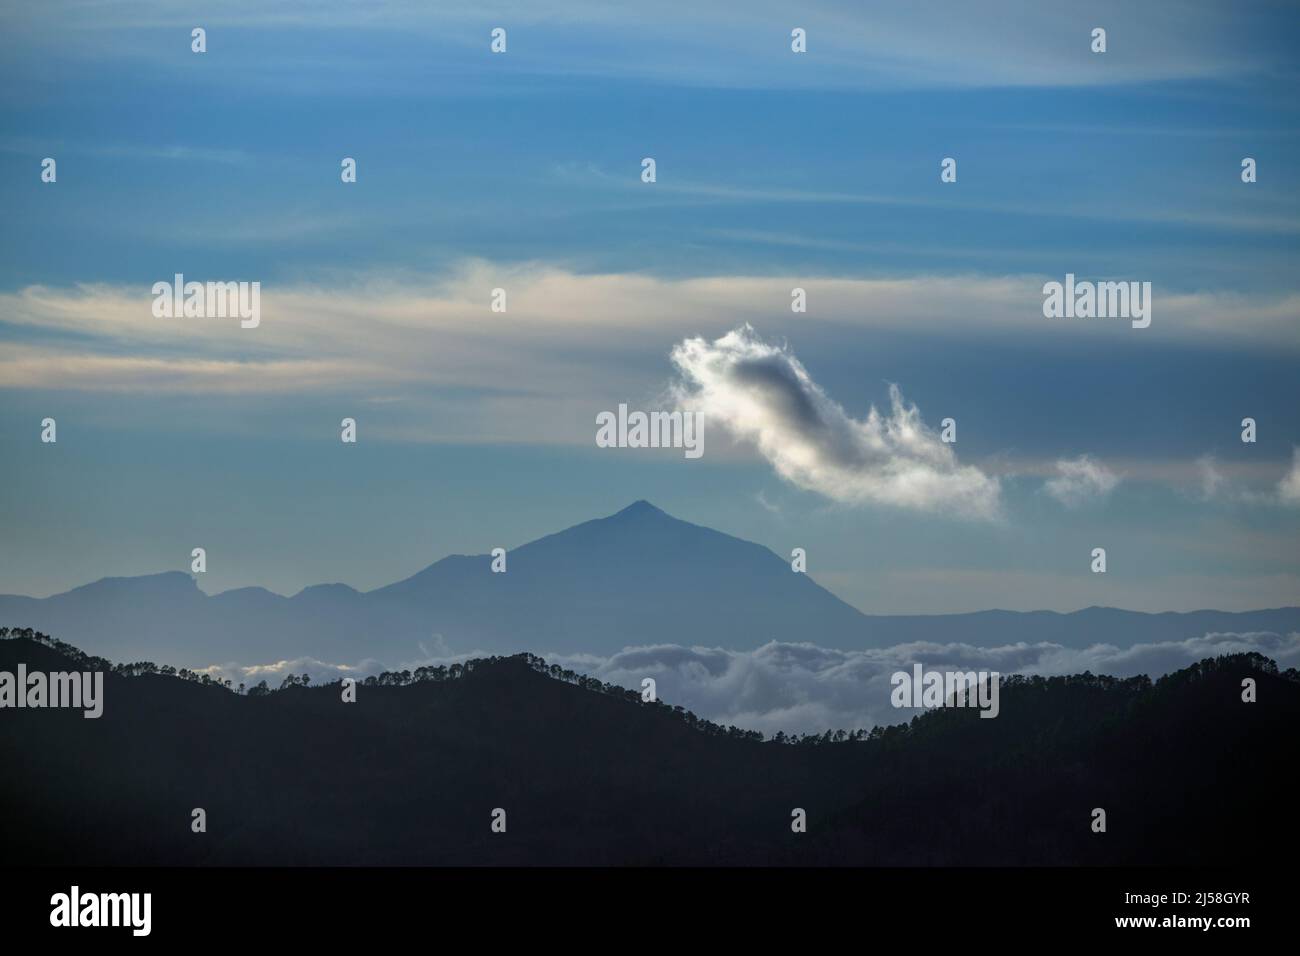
(641, 508)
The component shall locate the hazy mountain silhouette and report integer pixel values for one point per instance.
(637, 577)
(410, 773)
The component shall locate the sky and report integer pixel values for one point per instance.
(774, 170)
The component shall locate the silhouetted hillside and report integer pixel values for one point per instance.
(411, 772)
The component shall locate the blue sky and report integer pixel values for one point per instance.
(522, 171)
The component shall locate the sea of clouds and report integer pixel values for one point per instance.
(804, 688)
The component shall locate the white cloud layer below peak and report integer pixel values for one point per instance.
(805, 688)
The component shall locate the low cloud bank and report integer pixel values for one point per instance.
(804, 688)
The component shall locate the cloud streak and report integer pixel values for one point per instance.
(383, 329)
(851, 46)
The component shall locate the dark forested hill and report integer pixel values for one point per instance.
(411, 772)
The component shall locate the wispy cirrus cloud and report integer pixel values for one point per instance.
(178, 152)
(687, 191)
(924, 44)
(409, 321)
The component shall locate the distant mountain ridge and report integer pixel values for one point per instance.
(636, 577)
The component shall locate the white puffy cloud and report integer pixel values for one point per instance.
(1080, 480)
(762, 395)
